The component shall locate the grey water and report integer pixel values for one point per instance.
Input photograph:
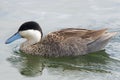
(54, 15)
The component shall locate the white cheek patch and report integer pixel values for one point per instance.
(32, 35)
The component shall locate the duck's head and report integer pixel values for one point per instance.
(29, 30)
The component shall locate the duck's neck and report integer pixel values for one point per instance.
(28, 43)
(28, 46)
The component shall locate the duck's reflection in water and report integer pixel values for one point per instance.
(29, 65)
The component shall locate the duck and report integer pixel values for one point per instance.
(64, 42)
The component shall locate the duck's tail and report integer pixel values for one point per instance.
(101, 42)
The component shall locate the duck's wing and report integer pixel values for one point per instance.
(93, 35)
(85, 34)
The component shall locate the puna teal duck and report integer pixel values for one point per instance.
(65, 42)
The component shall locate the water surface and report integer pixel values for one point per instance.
(54, 15)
